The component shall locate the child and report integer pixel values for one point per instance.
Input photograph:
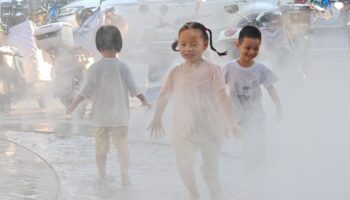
(108, 83)
(244, 77)
(203, 112)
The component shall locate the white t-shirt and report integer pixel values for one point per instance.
(107, 84)
(245, 88)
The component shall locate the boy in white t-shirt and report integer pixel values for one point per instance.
(108, 84)
(244, 76)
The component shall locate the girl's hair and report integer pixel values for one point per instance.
(204, 30)
(108, 38)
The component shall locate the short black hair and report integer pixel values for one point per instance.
(108, 38)
(249, 32)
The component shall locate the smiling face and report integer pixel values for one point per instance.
(248, 49)
(191, 45)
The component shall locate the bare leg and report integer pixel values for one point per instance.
(124, 163)
(123, 153)
(185, 157)
(120, 140)
(101, 165)
(211, 155)
(102, 148)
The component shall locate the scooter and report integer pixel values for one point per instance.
(268, 21)
(68, 70)
(280, 45)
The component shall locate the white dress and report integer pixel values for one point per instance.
(198, 116)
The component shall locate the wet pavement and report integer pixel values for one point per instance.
(25, 174)
(69, 148)
(153, 170)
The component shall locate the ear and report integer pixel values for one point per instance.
(238, 44)
(205, 44)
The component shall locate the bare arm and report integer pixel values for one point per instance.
(74, 104)
(156, 126)
(228, 108)
(276, 99)
(161, 104)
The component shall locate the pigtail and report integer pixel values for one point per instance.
(174, 45)
(211, 44)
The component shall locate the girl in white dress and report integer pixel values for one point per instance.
(203, 112)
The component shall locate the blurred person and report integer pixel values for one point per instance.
(12, 85)
(112, 18)
(323, 9)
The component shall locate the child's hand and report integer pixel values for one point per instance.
(147, 104)
(69, 109)
(156, 128)
(237, 131)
